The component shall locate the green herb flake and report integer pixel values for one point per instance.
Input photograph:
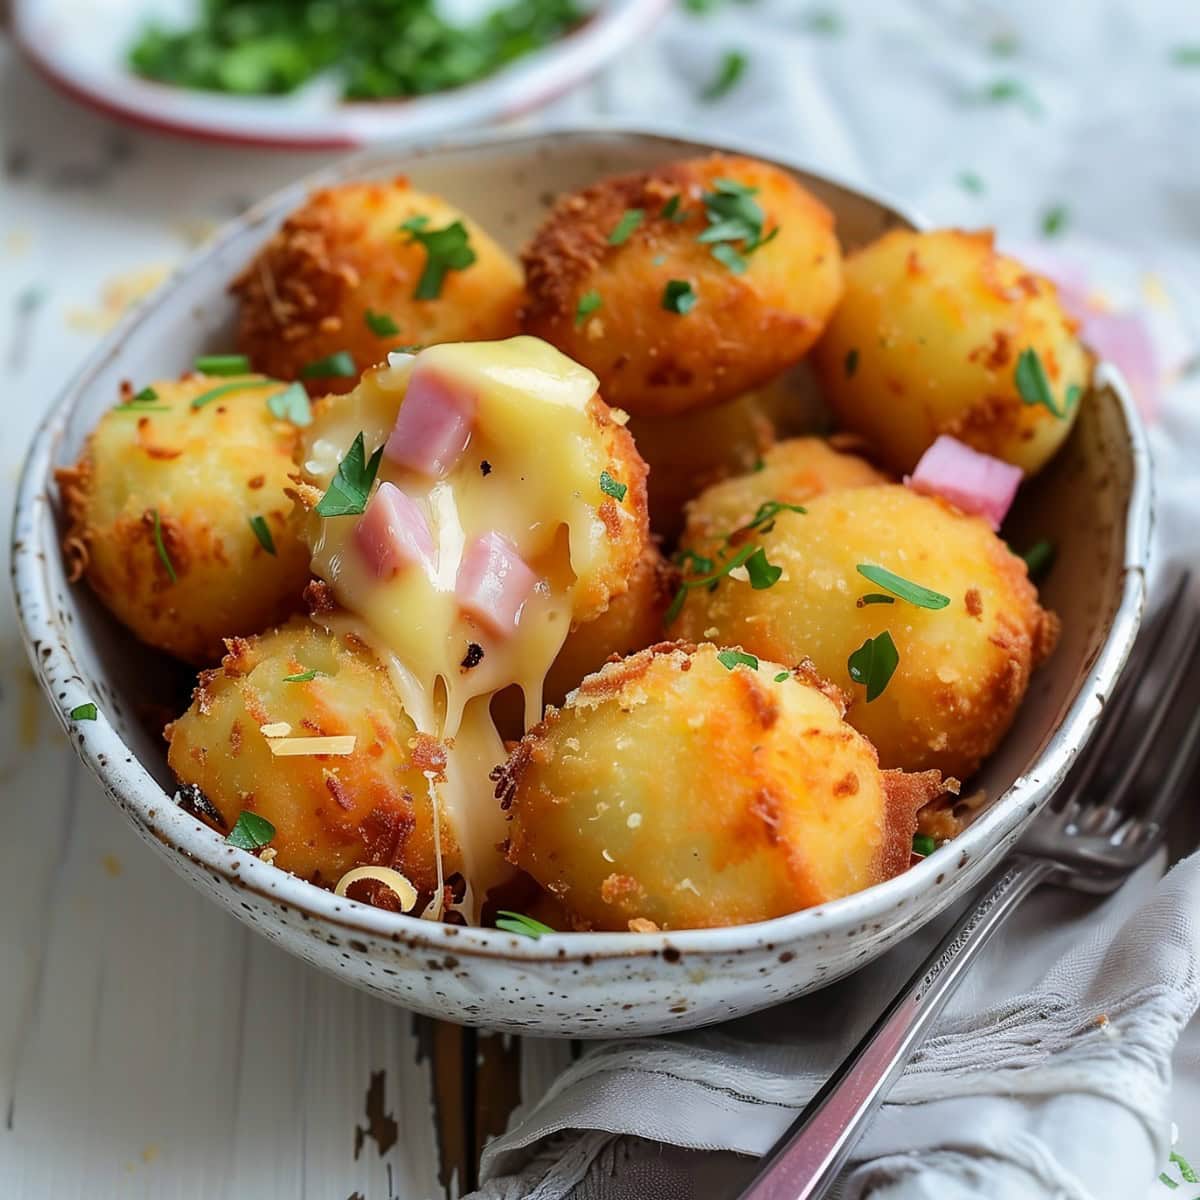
(446, 250)
(303, 676)
(783, 675)
(332, 366)
(1004, 45)
(146, 396)
(1164, 1178)
(824, 21)
(1039, 558)
(873, 664)
(1186, 56)
(514, 922)
(380, 324)
(971, 182)
(712, 576)
(589, 302)
(727, 256)
(764, 517)
(1054, 220)
(350, 487)
(851, 363)
(291, 404)
(1186, 1170)
(251, 832)
(1003, 90)
(874, 598)
(729, 73)
(84, 712)
(737, 658)
(262, 531)
(611, 487)
(1033, 385)
(673, 210)
(762, 573)
(227, 389)
(223, 364)
(631, 218)
(923, 844)
(914, 593)
(679, 297)
(160, 546)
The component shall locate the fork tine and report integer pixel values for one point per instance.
(1113, 722)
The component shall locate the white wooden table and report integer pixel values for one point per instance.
(150, 1046)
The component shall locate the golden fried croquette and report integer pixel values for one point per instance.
(688, 452)
(791, 472)
(342, 275)
(330, 812)
(928, 340)
(160, 507)
(690, 789)
(757, 309)
(962, 669)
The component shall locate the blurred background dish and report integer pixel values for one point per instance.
(315, 74)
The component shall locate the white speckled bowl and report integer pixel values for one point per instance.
(1093, 500)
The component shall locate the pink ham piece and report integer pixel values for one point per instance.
(494, 582)
(976, 483)
(392, 533)
(434, 423)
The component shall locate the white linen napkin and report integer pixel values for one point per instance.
(1057, 1090)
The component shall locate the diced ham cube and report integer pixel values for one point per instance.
(434, 423)
(392, 533)
(494, 582)
(977, 483)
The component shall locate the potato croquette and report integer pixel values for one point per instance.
(937, 333)
(685, 285)
(963, 667)
(342, 274)
(790, 472)
(765, 803)
(330, 812)
(178, 516)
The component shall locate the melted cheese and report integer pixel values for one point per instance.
(533, 447)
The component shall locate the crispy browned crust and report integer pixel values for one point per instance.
(906, 794)
(74, 485)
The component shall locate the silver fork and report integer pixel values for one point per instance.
(1106, 819)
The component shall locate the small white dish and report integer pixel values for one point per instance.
(1093, 501)
(80, 46)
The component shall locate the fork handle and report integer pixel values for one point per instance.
(805, 1161)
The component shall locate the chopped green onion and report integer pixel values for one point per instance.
(732, 68)
(914, 593)
(874, 663)
(631, 218)
(727, 256)
(717, 574)
(262, 531)
(1164, 1178)
(333, 366)
(923, 844)
(84, 712)
(1039, 558)
(735, 658)
(679, 297)
(291, 405)
(146, 396)
(223, 364)
(380, 324)
(303, 676)
(764, 517)
(514, 922)
(1033, 385)
(610, 487)
(226, 389)
(589, 302)
(1186, 56)
(1054, 220)
(782, 676)
(969, 181)
(251, 832)
(161, 548)
(671, 211)
(1186, 1171)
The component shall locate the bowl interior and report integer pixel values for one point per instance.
(1080, 502)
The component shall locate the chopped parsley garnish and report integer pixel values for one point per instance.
(1164, 1178)
(713, 575)
(262, 531)
(1039, 558)
(851, 363)
(332, 366)
(380, 324)
(303, 676)
(764, 517)
(446, 250)
(223, 364)
(146, 396)
(350, 487)
(914, 593)
(734, 658)
(514, 922)
(874, 663)
(672, 210)
(923, 844)
(727, 256)
(782, 676)
(971, 182)
(611, 487)
(1033, 385)
(589, 302)
(251, 832)
(84, 712)
(874, 598)
(1186, 1171)
(1186, 56)
(732, 68)
(291, 405)
(226, 389)
(679, 297)
(1002, 90)
(1054, 220)
(762, 574)
(631, 218)
(160, 546)
(733, 216)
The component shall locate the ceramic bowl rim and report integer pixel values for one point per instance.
(149, 806)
